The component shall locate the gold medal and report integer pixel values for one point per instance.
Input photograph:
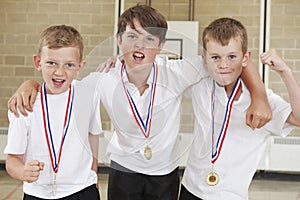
(212, 178)
(148, 153)
(54, 185)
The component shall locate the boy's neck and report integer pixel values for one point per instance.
(49, 92)
(228, 89)
(139, 76)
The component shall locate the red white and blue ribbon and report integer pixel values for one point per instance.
(55, 156)
(216, 149)
(144, 126)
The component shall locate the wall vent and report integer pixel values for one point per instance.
(282, 154)
(3, 131)
(287, 141)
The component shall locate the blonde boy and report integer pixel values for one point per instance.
(49, 150)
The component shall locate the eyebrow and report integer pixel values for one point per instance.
(133, 31)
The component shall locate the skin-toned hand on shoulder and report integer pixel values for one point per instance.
(259, 112)
(107, 65)
(24, 98)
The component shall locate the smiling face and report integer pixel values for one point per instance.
(225, 62)
(59, 67)
(138, 46)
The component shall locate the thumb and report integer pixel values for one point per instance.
(249, 119)
(41, 165)
(255, 122)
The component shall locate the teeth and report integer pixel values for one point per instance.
(58, 80)
(139, 55)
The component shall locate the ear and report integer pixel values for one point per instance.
(119, 40)
(81, 66)
(161, 45)
(246, 59)
(204, 59)
(37, 62)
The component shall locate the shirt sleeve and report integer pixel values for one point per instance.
(190, 70)
(280, 113)
(95, 123)
(92, 79)
(17, 134)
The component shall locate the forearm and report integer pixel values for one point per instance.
(94, 143)
(33, 84)
(293, 90)
(259, 111)
(15, 167)
(253, 82)
(27, 87)
(95, 165)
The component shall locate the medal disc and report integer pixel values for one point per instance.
(148, 153)
(212, 179)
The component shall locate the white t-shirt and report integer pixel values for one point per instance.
(242, 149)
(128, 142)
(26, 136)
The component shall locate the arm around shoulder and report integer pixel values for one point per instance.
(259, 112)
(24, 98)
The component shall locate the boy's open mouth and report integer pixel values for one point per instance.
(58, 82)
(138, 55)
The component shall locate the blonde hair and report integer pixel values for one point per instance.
(59, 36)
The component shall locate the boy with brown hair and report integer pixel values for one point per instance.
(225, 152)
(54, 149)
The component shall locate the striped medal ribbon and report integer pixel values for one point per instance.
(55, 156)
(213, 178)
(143, 125)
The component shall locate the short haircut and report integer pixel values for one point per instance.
(224, 29)
(149, 18)
(59, 36)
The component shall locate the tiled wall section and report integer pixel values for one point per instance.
(22, 21)
(285, 37)
(20, 25)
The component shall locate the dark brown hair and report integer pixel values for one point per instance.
(149, 18)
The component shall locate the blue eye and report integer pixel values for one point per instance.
(150, 39)
(70, 66)
(215, 58)
(50, 64)
(131, 36)
(232, 57)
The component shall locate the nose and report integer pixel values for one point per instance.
(59, 70)
(223, 63)
(140, 44)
